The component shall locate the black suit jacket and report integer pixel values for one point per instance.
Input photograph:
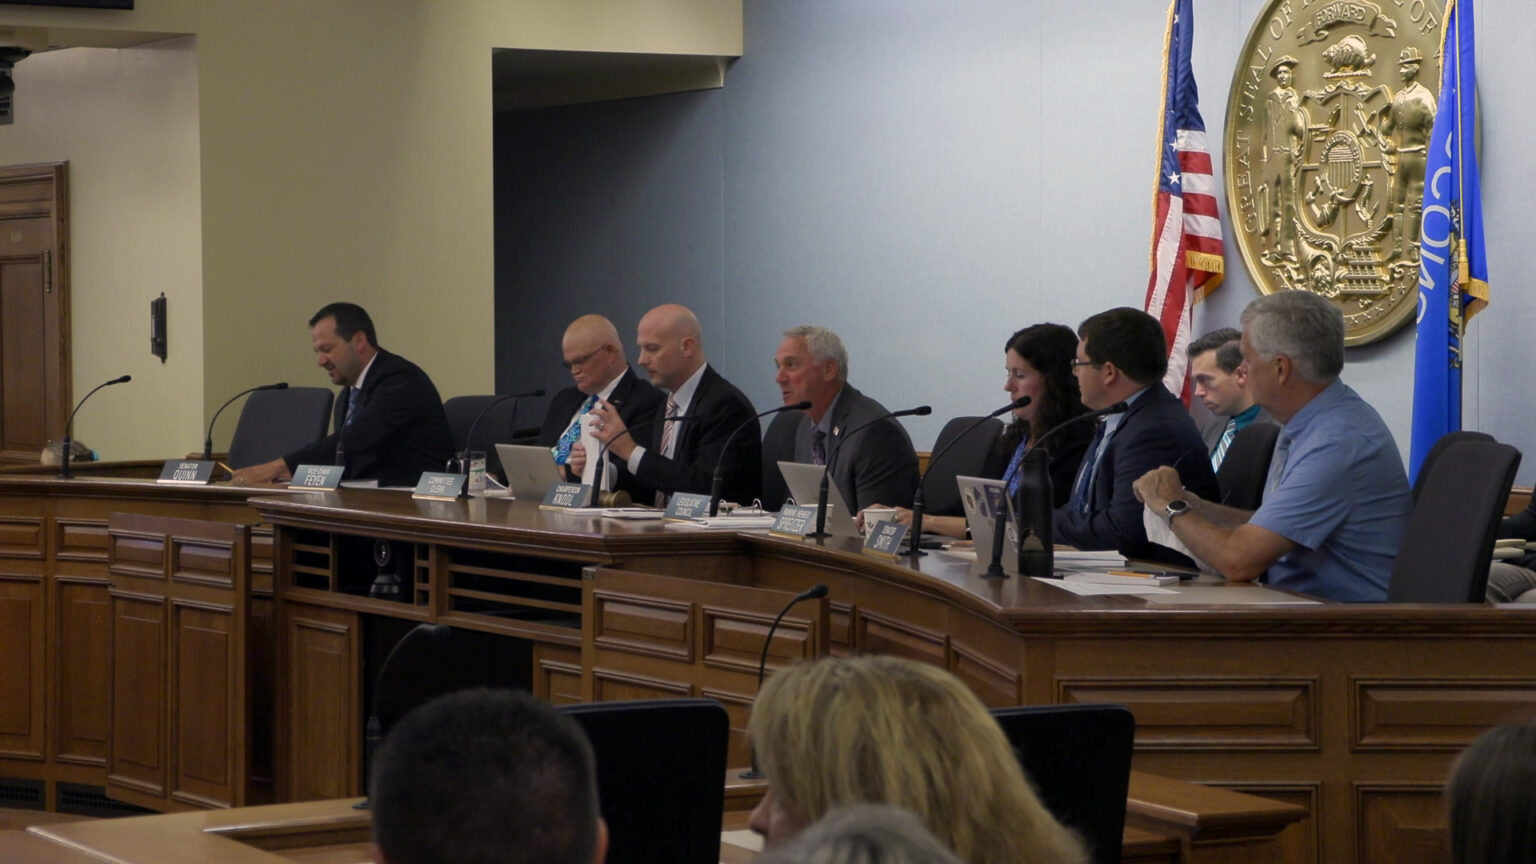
(637, 402)
(876, 466)
(398, 431)
(716, 410)
(1157, 430)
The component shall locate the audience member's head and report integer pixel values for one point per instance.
(1492, 798)
(53, 453)
(863, 834)
(482, 776)
(883, 730)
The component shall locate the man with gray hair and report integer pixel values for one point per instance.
(1337, 499)
(876, 466)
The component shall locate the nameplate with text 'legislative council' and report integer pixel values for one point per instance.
(686, 506)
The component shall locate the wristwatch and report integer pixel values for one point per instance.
(1176, 508)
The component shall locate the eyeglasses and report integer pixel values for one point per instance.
(1077, 364)
(582, 361)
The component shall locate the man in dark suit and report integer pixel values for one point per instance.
(595, 357)
(681, 456)
(1122, 356)
(875, 466)
(389, 421)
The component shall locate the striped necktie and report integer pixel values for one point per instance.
(818, 446)
(1227, 434)
(669, 429)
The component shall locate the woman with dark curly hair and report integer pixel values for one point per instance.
(1038, 363)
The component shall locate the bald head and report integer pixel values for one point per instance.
(592, 352)
(671, 345)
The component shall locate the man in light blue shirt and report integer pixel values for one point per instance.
(1337, 499)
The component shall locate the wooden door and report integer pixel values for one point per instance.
(34, 309)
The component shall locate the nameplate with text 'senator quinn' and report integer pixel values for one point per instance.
(1327, 130)
(186, 472)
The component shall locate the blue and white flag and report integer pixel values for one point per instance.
(1453, 272)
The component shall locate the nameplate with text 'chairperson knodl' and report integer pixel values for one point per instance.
(565, 496)
(1327, 131)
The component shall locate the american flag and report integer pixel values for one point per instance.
(1186, 230)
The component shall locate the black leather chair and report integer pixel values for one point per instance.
(967, 458)
(1079, 759)
(274, 422)
(660, 767)
(1245, 469)
(779, 446)
(496, 427)
(1446, 550)
(1438, 449)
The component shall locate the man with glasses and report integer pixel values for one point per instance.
(1122, 357)
(594, 356)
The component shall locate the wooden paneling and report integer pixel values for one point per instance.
(207, 704)
(320, 727)
(137, 757)
(1402, 823)
(1234, 714)
(881, 633)
(83, 638)
(1444, 715)
(21, 682)
(22, 538)
(80, 540)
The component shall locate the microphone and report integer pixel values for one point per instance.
(1033, 505)
(70, 424)
(719, 480)
(917, 497)
(826, 476)
(461, 459)
(815, 592)
(208, 439)
(602, 452)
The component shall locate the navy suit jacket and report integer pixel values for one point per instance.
(637, 402)
(876, 466)
(715, 412)
(1157, 430)
(398, 431)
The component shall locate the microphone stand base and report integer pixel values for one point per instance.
(994, 571)
(751, 774)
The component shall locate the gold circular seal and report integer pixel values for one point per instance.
(1328, 125)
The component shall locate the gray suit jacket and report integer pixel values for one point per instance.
(875, 466)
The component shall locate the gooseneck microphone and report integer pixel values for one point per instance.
(208, 439)
(602, 452)
(70, 425)
(815, 592)
(718, 480)
(462, 457)
(826, 476)
(1034, 505)
(917, 497)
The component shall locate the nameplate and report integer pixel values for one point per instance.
(686, 506)
(186, 472)
(884, 540)
(564, 496)
(436, 486)
(794, 522)
(316, 478)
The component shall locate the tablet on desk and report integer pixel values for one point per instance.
(804, 482)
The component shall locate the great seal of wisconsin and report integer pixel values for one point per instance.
(1328, 123)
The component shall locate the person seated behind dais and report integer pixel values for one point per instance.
(1491, 796)
(53, 453)
(840, 731)
(1037, 363)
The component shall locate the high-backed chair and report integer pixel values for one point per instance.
(660, 772)
(967, 458)
(1446, 550)
(494, 428)
(1079, 759)
(779, 445)
(1438, 449)
(274, 422)
(1245, 469)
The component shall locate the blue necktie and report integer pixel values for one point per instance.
(346, 423)
(562, 448)
(1082, 490)
(1011, 476)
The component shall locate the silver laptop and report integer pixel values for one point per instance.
(804, 482)
(531, 470)
(982, 498)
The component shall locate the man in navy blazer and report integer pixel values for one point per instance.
(875, 466)
(389, 421)
(681, 456)
(594, 356)
(1122, 357)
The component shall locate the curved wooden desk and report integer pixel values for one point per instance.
(1353, 712)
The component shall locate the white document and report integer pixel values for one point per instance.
(1090, 589)
(1161, 533)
